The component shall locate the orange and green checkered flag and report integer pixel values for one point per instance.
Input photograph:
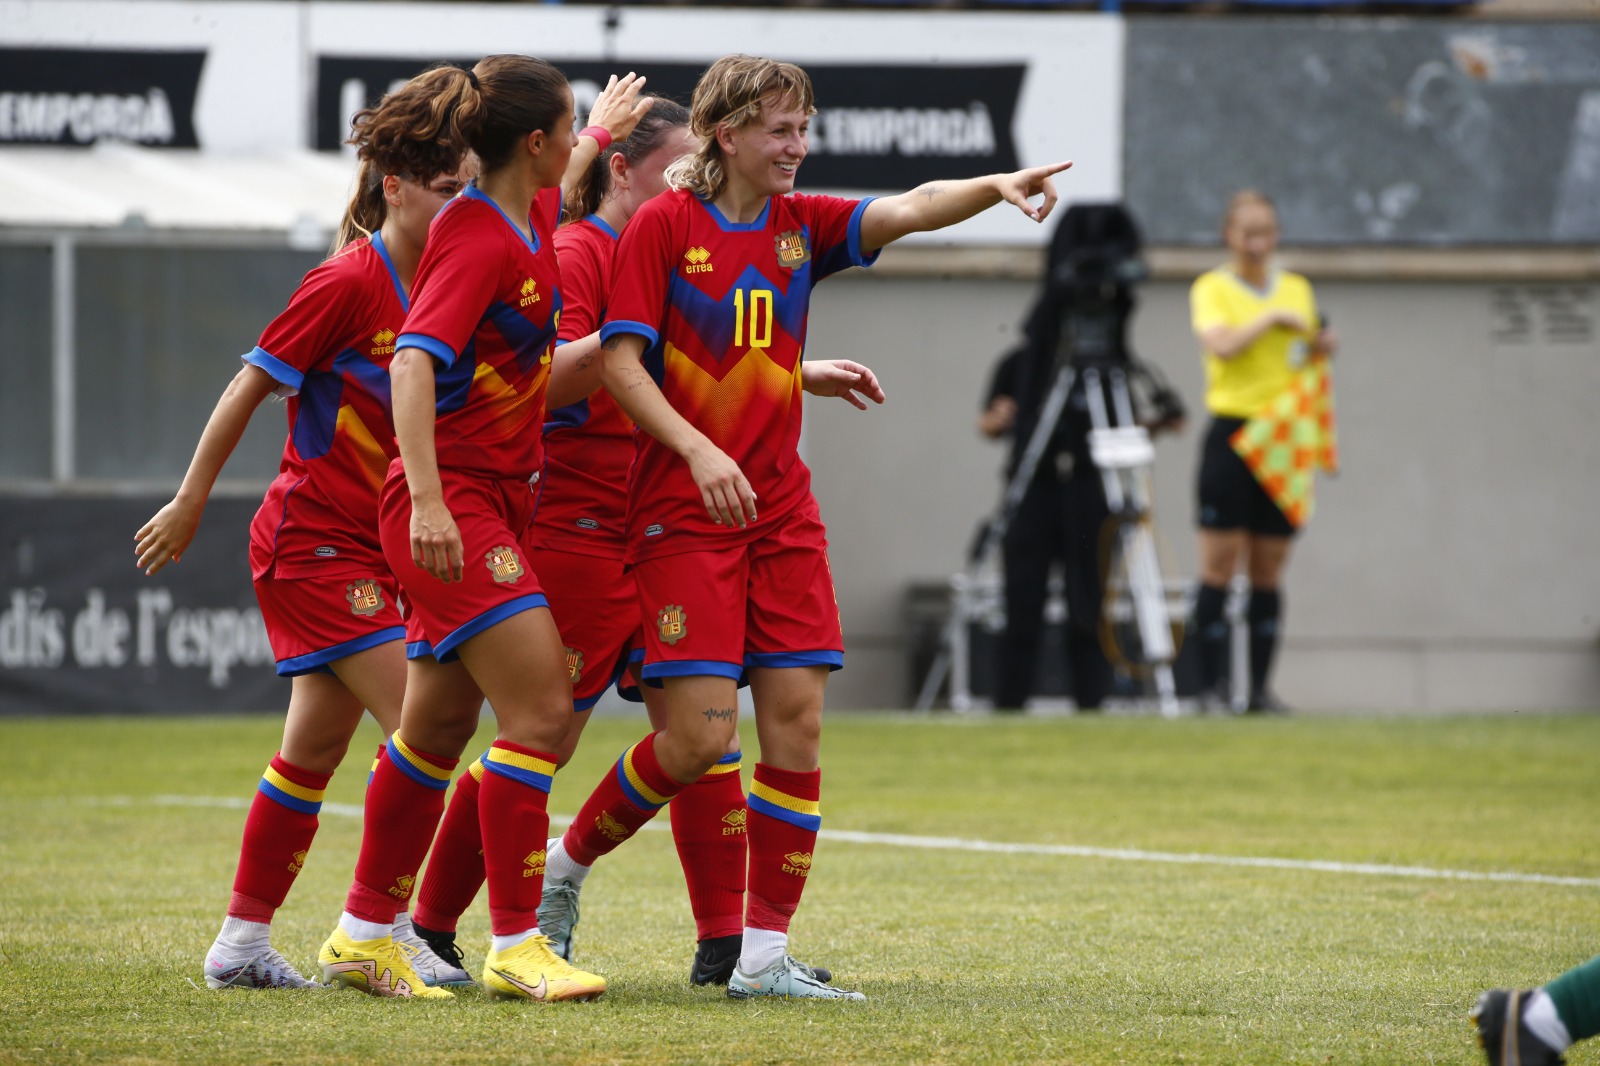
(1285, 444)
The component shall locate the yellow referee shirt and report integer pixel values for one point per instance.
(1243, 386)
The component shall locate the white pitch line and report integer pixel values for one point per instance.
(1076, 851)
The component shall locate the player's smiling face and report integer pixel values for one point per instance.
(766, 153)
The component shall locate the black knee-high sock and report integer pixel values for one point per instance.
(1266, 609)
(1211, 630)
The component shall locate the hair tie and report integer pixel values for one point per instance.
(473, 78)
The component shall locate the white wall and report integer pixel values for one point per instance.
(1451, 565)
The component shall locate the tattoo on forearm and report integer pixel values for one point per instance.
(637, 379)
(611, 344)
(725, 714)
(586, 362)
(931, 191)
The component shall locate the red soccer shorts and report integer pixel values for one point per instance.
(769, 602)
(315, 620)
(596, 607)
(496, 580)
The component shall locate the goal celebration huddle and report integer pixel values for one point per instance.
(544, 404)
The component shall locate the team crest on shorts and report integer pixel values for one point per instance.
(672, 624)
(793, 249)
(504, 564)
(574, 664)
(364, 597)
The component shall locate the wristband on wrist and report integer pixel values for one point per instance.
(601, 135)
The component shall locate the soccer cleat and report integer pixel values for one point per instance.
(379, 967)
(784, 979)
(558, 915)
(531, 970)
(258, 968)
(1504, 1038)
(715, 959)
(435, 957)
(1263, 701)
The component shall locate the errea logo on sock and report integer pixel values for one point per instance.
(797, 863)
(534, 863)
(402, 887)
(734, 822)
(298, 861)
(610, 828)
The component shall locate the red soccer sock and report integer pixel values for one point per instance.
(455, 866)
(514, 818)
(708, 825)
(277, 834)
(627, 797)
(784, 819)
(404, 801)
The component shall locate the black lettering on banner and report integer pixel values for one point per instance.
(879, 125)
(80, 96)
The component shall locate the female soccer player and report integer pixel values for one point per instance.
(1255, 324)
(575, 543)
(326, 593)
(711, 289)
(468, 379)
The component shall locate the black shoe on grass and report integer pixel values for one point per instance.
(1501, 1033)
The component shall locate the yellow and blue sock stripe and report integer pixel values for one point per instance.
(634, 786)
(416, 767)
(476, 769)
(728, 764)
(803, 813)
(524, 769)
(283, 791)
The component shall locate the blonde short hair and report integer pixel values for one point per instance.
(731, 95)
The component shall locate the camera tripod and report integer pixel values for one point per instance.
(1123, 454)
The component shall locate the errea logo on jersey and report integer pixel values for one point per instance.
(383, 342)
(530, 292)
(697, 261)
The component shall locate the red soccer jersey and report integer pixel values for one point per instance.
(588, 446)
(330, 351)
(723, 306)
(486, 304)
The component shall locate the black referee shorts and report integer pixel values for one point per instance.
(1230, 495)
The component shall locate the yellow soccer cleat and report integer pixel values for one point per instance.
(530, 970)
(378, 967)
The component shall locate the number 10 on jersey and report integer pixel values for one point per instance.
(759, 303)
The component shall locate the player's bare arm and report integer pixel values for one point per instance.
(435, 540)
(574, 371)
(936, 205)
(723, 488)
(617, 110)
(166, 536)
(848, 380)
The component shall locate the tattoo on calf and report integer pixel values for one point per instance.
(726, 714)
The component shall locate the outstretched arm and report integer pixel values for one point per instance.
(723, 488)
(166, 536)
(944, 203)
(842, 378)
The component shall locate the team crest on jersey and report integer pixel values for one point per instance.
(672, 624)
(504, 564)
(793, 249)
(364, 597)
(574, 664)
(383, 342)
(697, 261)
(530, 292)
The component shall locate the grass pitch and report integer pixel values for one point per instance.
(110, 892)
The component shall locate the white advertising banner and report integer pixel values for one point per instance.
(902, 97)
